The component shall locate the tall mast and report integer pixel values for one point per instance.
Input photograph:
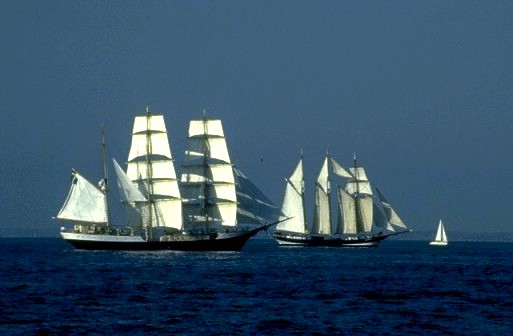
(328, 191)
(303, 192)
(359, 218)
(105, 186)
(206, 155)
(149, 173)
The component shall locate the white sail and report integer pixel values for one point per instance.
(150, 167)
(366, 213)
(293, 203)
(207, 180)
(392, 216)
(339, 170)
(359, 188)
(86, 203)
(128, 191)
(131, 197)
(440, 233)
(322, 211)
(347, 213)
(359, 183)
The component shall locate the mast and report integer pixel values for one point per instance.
(208, 180)
(360, 190)
(149, 174)
(303, 192)
(105, 181)
(322, 214)
(357, 195)
(206, 154)
(151, 170)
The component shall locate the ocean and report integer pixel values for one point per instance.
(400, 288)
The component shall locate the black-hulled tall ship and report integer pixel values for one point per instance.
(361, 222)
(211, 207)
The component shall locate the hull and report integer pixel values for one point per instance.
(180, 242)
(291, 239)
(438, 243)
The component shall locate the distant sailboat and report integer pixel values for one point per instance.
(441, 237)
(360, 221)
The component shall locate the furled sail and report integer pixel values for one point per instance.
(207, 180)
(293, 203)
(322, 211)
(254, 207)
(392, 216)
(86, 203)
(151, 169)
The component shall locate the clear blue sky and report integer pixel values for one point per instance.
(421, 90)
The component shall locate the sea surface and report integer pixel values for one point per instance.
(400, 288)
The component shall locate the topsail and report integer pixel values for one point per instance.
(151, 169)
(207, 181)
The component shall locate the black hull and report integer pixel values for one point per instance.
(286, 239)
(232, 243)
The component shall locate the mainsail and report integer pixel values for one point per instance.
(86, 203)
(359, 189)
(322, 223)
(207, 180)
(322, 211)
(346, 223)
(440, 233)
(294, 203)
(151, 169)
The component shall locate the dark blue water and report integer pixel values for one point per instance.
(400, 287)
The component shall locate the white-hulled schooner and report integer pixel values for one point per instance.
(360, 222)
(212, 207)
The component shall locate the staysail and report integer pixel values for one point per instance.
(254, 207)
(294, 203)
(393, 218)
(86, 203)
(132, 198)
(151, 169)
(207, 180)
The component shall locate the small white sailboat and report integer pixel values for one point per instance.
(441, 237)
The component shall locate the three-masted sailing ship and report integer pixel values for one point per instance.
(212, 206)
(360, 221)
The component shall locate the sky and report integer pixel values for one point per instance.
(420, 90)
